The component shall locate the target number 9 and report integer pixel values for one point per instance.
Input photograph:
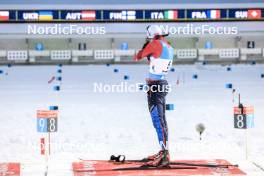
(42, 125)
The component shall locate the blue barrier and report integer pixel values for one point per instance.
(172, 69)
(208, 45)
(53, 108)
(56, 88)
(39, 47)
(169, 107)
(59, 78)
(126, 77)
(124, 46)
(229, 86)
(195, 76)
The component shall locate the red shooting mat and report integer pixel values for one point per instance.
(106, 168)
(9, 169)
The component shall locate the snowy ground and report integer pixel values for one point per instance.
(96, 125)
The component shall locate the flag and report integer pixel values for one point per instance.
(253, 13)
(178, 81)
(42, 146)
(88, 15)
(45, 15)
(4, 15)
(128, 15)
(51, 79)
(131, 15)
(214, 14)
(171, 14)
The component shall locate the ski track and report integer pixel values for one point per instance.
(96, 125)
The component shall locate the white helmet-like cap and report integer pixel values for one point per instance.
(154, 30)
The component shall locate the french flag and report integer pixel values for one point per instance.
(214, 14)
(4, 15)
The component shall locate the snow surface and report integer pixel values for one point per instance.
(95, 125)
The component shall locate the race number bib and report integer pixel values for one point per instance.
(160, 66)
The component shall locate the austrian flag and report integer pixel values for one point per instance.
(88, 15)
(4, 15)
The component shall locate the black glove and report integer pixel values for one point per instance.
(145, 45)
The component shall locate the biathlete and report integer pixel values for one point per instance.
(160, 57)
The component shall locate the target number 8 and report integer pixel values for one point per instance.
(240, 121)
(52, 124)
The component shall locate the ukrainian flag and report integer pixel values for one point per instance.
(45, 15)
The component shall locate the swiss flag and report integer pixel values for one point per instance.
(253, 13)
(88, 15)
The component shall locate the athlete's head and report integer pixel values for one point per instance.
(154, 31)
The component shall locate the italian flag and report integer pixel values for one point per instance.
(171, 14)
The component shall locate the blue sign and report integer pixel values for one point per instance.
(42, 125)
